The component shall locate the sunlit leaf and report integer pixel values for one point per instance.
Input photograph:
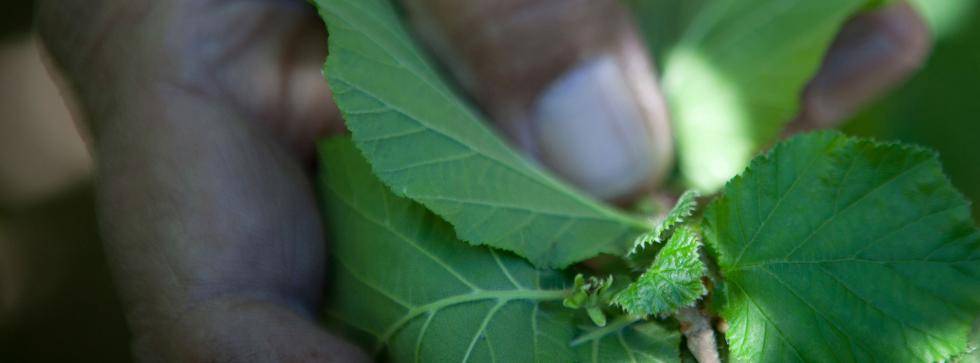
(841, 249)
(733, 72)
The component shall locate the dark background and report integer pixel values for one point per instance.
(57, 303)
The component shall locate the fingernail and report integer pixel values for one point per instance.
(602, 126)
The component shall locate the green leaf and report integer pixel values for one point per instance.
(672, 281)
(733, 71)
(427, 144)
(683, 209)
(938, 105)
(404, 279)
(841, 249)
(972, 354)
(946, 17)
(627, 340)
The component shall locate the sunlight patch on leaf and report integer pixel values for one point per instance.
(733, 72)
(709, 113)
(946, 17)
(842, 249)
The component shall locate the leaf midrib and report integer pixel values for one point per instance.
(817, 312)
(769, 321)
(476, 294)
(856, 202)
(782, 197)
(535, 177)
(599, 334)
(503, 297)
(835, 214)
(527, 173)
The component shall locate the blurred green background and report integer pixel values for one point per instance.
(56, 299)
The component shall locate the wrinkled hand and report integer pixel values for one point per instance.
(203, 115)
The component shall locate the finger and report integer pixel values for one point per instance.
(567, 81)
(873, 53)
(267, 58)
(264, 57)
(209, 220)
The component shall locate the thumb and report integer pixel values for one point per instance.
(874, 52)
(568, 82)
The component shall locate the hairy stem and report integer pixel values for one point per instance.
(696, 326)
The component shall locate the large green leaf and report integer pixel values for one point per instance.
(427, 144)
(843, 249)
(627, 340)
(403, 277)
(733, 72)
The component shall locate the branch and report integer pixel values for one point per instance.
(700, 336)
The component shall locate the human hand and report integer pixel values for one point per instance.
(203, 115)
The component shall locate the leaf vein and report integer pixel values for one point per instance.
(858, 201)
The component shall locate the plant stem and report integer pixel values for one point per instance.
(612, 327)
(700, 336)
